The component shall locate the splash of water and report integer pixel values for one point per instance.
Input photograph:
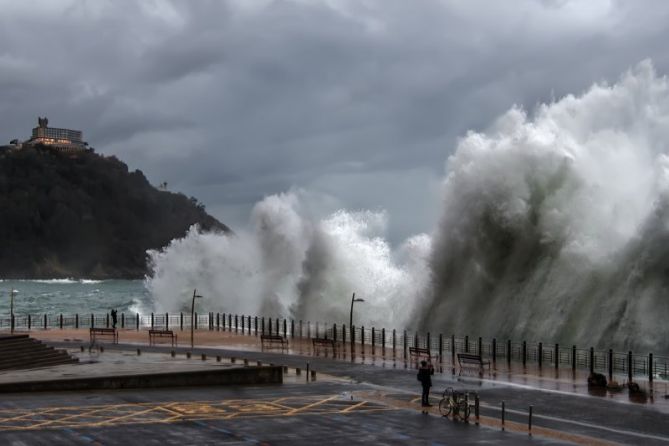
(294, 264)
(554, 226)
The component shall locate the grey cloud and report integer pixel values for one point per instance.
(235, 99)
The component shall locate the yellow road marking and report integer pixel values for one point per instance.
(353, 407)
(309, 406)
(175, 411)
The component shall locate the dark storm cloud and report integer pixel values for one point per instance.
(362, 100)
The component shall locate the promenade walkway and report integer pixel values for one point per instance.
(364, 398)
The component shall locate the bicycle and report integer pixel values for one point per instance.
(455, 403)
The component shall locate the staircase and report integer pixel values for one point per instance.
(22, 352)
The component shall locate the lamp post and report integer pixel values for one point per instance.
(192, 317)
(350, 319)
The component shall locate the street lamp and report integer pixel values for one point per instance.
(350, 320)
(192, 317)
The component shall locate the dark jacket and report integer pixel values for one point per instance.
(424, 376)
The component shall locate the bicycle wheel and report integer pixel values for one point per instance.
(464, 409)
(445, 407)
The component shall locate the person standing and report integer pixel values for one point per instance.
(113, 317)
(425, 373)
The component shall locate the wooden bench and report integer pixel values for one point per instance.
(157, 335)
(104, 333)
(273, 341)
(418, 353)
(319, 343)
(470, 360)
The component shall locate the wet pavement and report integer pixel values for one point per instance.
(364, 400)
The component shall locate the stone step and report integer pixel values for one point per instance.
(39, 363)
(24, 359)
(16, 341)
(21, 352)
(29, 354)
(17, 348)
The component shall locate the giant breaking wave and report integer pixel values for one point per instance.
(555, 227)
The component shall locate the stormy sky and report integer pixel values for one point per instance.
(357, 102)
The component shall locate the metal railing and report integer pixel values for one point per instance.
(391, 343)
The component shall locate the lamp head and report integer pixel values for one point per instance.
(358, 299)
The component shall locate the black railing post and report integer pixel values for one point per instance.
(630, 367)
(610, 364)
(292, 328)
(441, 348)
(223, 321)
(383, 341)
(592, 360)
(362, 339)
(494, 350)
(122, 320)
(255, 324)
(650, 367)
(285, 328)
(181, 321)
(242, 318)
(236, 323)
(405, 345)
(269, 320)
(167, 321)
(45, 321)
(508, 352)
(229, 321)
(92, 321)
(524, 353)
(334, 332)
(107, 320)
(343, 334)
(480, 347)
(453, 350)
(248, 323)
(263, 325)
(29, 321)
(61, 321)
(152, 321)
(428, 341)
(466, 344)
(373, 340)
(394, 343)
(557, 356)
(137, 321)
(540, 353)
(76, 320)
(573, 358)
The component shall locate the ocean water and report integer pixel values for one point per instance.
(70, 296)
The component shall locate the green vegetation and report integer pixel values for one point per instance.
(85, 216)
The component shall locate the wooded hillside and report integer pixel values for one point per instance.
(84, 216)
